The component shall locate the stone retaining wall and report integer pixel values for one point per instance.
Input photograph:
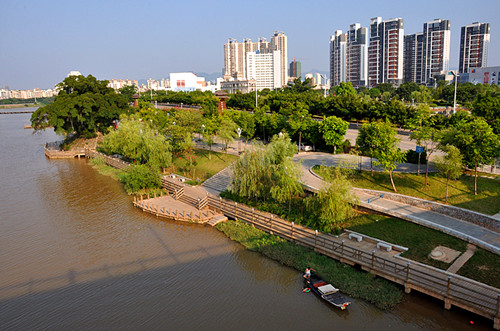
(456, 212)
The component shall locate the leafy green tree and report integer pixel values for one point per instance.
(405, 90)
(374, 93)
(264, 170)
(476, 141)
(128, 91)
(246, 122)
(344, 89)
(450, 165)
(424, 133)
(386, 150)
(137, 141)
(488, 107)
(209, 128)
(138, 177)
(334, 203)
(83, 106)
(333, 130)
(366, 141)
(386, 87)
(298, 120)
(299, 86)
(227, 131)
(251, 177)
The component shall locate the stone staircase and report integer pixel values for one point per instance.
(219, 182)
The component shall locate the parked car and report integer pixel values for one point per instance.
(306, 148)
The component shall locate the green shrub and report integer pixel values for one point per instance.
(140, 177)
(412, 157)
(98, 161)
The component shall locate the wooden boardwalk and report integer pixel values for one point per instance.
(371, 255)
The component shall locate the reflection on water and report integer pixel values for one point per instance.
(74, 253)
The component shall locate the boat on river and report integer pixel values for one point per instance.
(327, 292)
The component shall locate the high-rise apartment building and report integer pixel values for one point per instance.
(295, 69)
(412, 67)
(435, 48)
(265, 69)
(474, 45)
(356, 63)
(235, 56)
(385, 51)
(279, 42)
(338, 45)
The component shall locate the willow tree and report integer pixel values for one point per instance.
(264, 172)
(334, 203)
(137, 141)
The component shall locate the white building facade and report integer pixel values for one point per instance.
(265, 69)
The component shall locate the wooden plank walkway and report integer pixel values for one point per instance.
(453, 289)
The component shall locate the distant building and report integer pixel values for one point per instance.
(356, 63)
(186, 81)
(474, 45)
(265, 69)
(235, 58)
(338, 45)
(118, 84)
(295, 69)
(232, 86)
(74, 73)
(385, 51)
(484, 75)
(279, 42)
(412, 69)
(435, 49)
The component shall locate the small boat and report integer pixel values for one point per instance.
(327, 292)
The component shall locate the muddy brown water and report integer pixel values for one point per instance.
(75, 254)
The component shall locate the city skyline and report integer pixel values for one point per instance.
(43, 41)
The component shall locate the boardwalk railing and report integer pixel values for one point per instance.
(453, 289)
(111, 161)
(201, 216)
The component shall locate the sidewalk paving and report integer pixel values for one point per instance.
(469, 232)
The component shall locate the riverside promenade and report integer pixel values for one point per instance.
(377, 257)
(487, 238)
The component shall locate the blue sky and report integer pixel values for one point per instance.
(41, 41)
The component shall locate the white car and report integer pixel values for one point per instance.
(305, 148)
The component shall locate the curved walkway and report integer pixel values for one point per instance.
(470, 232)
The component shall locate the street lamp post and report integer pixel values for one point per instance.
(239, 136)
(455, 94)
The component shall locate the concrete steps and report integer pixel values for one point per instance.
(216, 220)
(220, 181)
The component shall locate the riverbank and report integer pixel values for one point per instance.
(380, 292)
(22, 105)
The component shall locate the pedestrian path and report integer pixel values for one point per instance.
(467, 231)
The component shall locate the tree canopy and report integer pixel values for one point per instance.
(84, 106)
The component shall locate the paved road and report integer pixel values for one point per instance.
(472, 233)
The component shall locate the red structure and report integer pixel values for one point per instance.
(222, 95)
(136, 98)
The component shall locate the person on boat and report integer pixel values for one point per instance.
(307, 273)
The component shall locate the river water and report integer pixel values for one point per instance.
(75, 254)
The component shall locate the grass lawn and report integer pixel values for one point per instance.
(461, 191)
(205, 167)
(484, 266)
